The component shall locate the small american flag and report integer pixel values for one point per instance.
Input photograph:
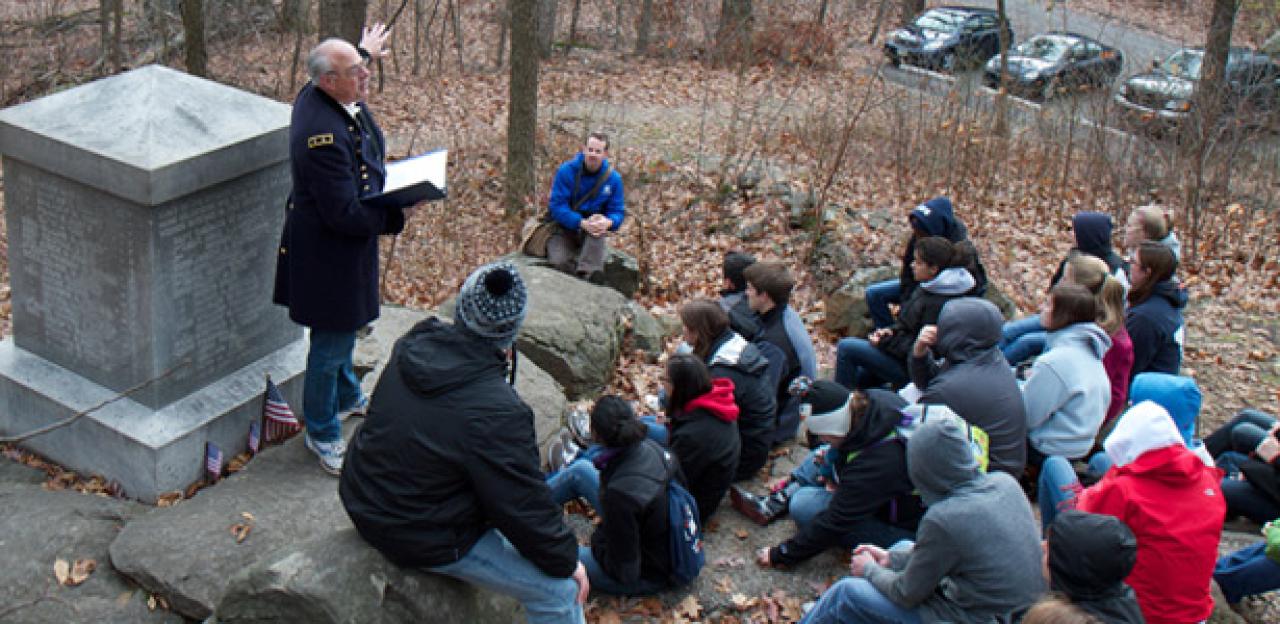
(212, 462)
(280, 423)
(255, 436)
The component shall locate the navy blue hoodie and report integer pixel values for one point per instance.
(936, 217)
(1093, 236)
(1155, 325)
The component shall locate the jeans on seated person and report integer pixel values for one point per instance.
(879, 295)
(859, 364)
(605, 584)
(494, 564)
(1022, 339)
(1057, 489)
(1246, 572)
(857, 600)
(1241, 434)
(579, 479)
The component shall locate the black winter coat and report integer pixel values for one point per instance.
(733, 358)
(448, 452)
(633, 539)
(871, 475)
(327, 263)
(1155, 326)
(707, 448)
(920, 309)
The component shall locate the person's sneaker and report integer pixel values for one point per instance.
(760, 509)
(330, 453)
(355, 410)
(554, 454)
(580, 426)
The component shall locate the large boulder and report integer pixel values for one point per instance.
(337, 578)
(621, 270)
(648, 333)
(573, 329)
(846, 308)
(534, 385)
(995, 295)
(830, 262)
(39, 527)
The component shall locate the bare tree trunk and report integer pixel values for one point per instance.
(505, 27)
(522, 115)
(197, 57)
(293, 15)
(573, 26)
(910, 9)
(416, 68)
(644, 26)
(733, 37)
(547, 12)
(1209, 101)
(822, 13)
(1002, 98)
(342, 19)
(881, 10)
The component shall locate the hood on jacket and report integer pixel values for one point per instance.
(1089, 336)
(1144, 427)
(732, 350)
(1090, 555)
(435, 358)
(1171, 241)
(1093, 233)
(967, 327)
(951, 281)
(1172, 292)
(881, 417)
(718, 401)
(936, 218)
(1179, 396)
(940, 458)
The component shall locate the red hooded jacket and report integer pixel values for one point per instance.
(719, 401)
(1173, 503)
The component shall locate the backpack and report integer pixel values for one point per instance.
(687, 555)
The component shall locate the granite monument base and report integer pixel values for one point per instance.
(146, 451)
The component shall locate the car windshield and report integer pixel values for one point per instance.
(1043, 48)
(940, 21)
(1184, 64)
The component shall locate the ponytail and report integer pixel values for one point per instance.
(1111, 305)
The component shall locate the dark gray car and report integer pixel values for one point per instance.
(1163, 97)
(946, 38)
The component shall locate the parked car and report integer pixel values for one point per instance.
(1162, 97)
(947, 38)
(1056, 61)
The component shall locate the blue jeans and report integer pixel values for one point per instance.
(494, 564)
(605, 584)
(813, 498)
(857, 600)
(579, 479)
(879, 295)
(1058, 488)
(1246, 572)
(330, 384)
(861, 365)
(1022, 339)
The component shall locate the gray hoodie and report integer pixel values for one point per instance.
(977, 552)
(974, 380)
(1068, 392)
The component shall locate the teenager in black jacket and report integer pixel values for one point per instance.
(703, 420)
(729, 355)
(414, 484)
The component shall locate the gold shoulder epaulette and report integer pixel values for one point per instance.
(320, 140)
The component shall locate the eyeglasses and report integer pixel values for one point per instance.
(352, 71)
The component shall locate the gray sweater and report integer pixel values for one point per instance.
(1068, 392)
(977, 552)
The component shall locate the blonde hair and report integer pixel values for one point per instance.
(1055, 610)
(1092, 273)
(1155, 221)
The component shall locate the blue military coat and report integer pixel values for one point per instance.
(327, 264)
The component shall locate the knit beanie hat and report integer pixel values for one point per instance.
(830, 403)
(492, 302)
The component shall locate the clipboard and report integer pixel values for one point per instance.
(413, 180)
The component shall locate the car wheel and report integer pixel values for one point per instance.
(894, 60)
(949, 62)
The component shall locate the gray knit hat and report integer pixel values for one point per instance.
(492, 302)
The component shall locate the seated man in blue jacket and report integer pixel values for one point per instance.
(587, 202)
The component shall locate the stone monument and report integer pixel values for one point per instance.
(143, 214)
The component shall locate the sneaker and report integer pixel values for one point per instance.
(330, 453)
(580, 426)
(760, 509)
(355, 410)
(554, 454)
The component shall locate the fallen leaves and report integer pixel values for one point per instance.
(240, 530)
(73, 574)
